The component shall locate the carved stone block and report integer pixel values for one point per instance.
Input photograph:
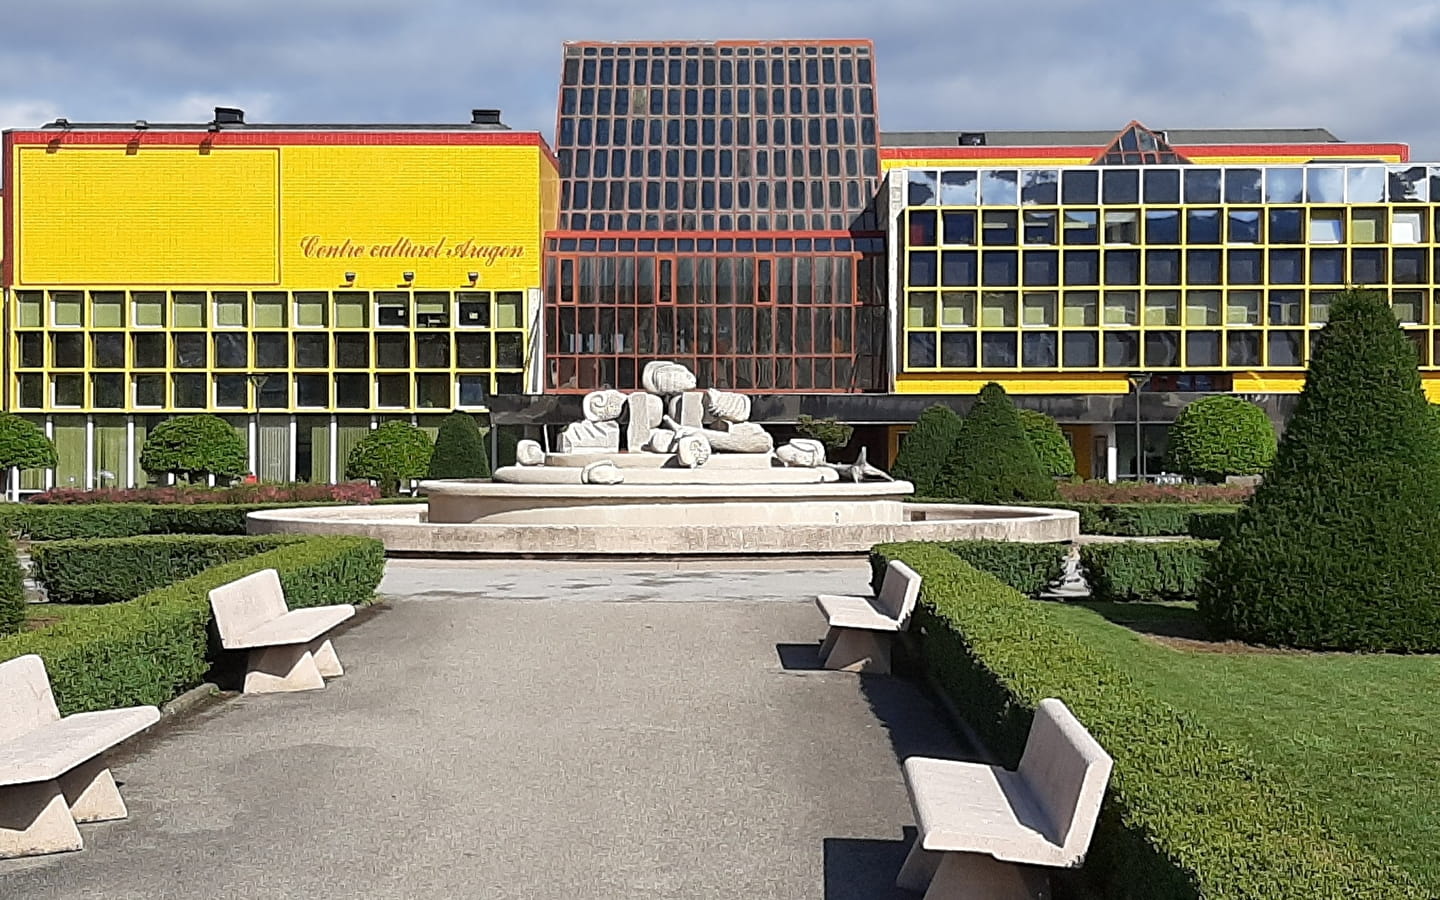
(692, 409)
(590, 437)
(603, 406)
(646, 411)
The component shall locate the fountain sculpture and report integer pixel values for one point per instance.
(671, 469)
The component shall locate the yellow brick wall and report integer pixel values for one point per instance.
(293, 216)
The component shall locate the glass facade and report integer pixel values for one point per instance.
(1170, 269)
(717, 208)
(229, 350)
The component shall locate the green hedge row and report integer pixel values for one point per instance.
(148, 650)
(1152, 519)
(58, 522)
(1186, 816)
(1029, 568)
(12, 590)
(1147, 571)
(108, 570)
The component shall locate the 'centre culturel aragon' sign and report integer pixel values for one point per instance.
(315, 247)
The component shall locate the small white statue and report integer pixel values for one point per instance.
(692, 449)
(601, 471)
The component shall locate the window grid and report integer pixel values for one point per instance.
(1190, 268)
(234, 351)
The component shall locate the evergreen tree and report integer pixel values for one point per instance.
(925, 448)
(1340, 546)
(1221, 435)
(1047, 440)
(194, 447)
(390, 456)
(991, 461)
(459, 449)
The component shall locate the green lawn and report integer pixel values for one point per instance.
(1357, 736)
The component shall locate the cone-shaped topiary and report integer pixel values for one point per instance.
(1340, 546)
(12, 590)
(1047, 440)
(1219, 436)
(925, 448)
(991, 461)
(459, 449)
(390, 456)
(194, 447)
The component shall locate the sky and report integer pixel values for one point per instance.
(1366, 70)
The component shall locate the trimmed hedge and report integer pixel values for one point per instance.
(148, 650)
(44, 522)
(459, 449)
(1186, 816)
(1047, 439)
(12, 590)
(108, 570)
(1221, 435)
(1151, 519)
(1028, 568)
(1148, 571)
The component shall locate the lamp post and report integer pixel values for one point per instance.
(1138, 380)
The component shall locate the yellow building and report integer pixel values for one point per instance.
(1146, 266)
(300, 281)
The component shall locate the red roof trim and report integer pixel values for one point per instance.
(1192, 150)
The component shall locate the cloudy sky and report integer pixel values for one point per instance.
(1365, 69)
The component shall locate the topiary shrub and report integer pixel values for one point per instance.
(991, 461)
(23, 445)
(1047, 440)
(926, 446)
(829, 431)
(1340, 547)
(192, 448)
(1221, 435)
(459, 449)
(390, 456)
(12, 590)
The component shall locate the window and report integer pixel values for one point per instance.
(1120, 186)
(310, 309)
(999, 187)
(1079, 186)
(1122, 266)
(352, 351)
(1284, 185)
(1162, 226)
(312, 391)
(997, 309)
(67, 308)
(1203, 266)
(509, 309)
(230, 309)
(107, 309)
(920, 350)
(922, 228)
(67, 351)
(1162, 307)
(922, 186)
(1242, 308)
(473, 308)
(1080, 349)
(148, 350)
(432, 351)
(1162, 267)
(231, 352)
(1407, 228)
(392, 351)
(107, 350)
(1367, 266)
(232, 391)
(1244, 226)
(1243, 348)
(1409, 267)
(1247, 266)
(1202, 185)
(1325, 185)
(312, 351)
(474, 389)
(393, 391)
(1287, 226)
(190, 353)
(958, 268)
(999, 228)
(68, 390)
(392, 309)
(1122, 349)
(1122, 227)
(920, 269)
(472, 350)
(32, 350)
(1080, 226)
(1162, 186)
(998, 350)
(1202, 348)
(270, 309)
(32, 390)
(1365, 184)
(1038, 308)
(957, 350)
(1038, 350)
(1042, 267)
(1202, 226)
(1409, 306)
(1367, 226)
(272, 351)
(957, 309)
(1122, 308)
(1286, 307)
(1081, 309)
(1082, 267)
(1202, 308)
(1242, 185)
(352, 390)
(352, 309)
(187, 309)
(188, 391)
(32, 305)
(1040, 227)
(1039, 187)
(958, 188)
(959, 227)
(999, 268)
(1162, 349)
(149, 390)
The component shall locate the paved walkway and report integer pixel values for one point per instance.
(529, 729)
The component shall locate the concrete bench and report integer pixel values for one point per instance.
(861, 628)
(52, 770)
(288, 648)
(984, 830)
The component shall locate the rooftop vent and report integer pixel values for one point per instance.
(484, 117)
(972, 138)
(229, 115)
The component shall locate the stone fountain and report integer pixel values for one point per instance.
(673, 470)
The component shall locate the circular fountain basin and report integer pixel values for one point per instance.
(483, 518)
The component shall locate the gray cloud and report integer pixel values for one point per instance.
(1361, 69)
